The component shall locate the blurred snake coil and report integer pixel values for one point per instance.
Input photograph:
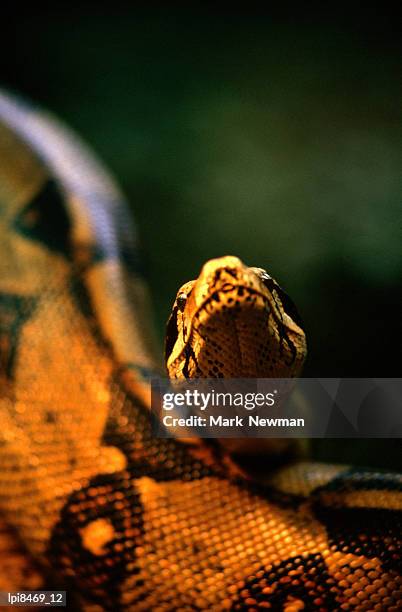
(90, 500)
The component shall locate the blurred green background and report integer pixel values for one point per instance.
(273, 138)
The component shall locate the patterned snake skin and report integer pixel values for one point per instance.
(89, 499)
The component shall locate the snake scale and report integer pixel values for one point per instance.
(90, 500)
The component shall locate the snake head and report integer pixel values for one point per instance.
(234, 321)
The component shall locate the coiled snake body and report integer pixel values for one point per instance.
(123, 520)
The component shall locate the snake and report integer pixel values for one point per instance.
(91, 500)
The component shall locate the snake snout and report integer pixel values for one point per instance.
(222, 275)
(228, 262)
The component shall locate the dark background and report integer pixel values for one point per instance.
(276, 137)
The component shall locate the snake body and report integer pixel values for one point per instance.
(96, 503)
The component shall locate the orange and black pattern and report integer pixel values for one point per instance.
(89, 499)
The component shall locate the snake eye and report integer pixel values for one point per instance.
(172, 333)
(181, 301)
(265, 277)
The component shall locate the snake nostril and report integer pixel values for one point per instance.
(227, 287)
(232, 272)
